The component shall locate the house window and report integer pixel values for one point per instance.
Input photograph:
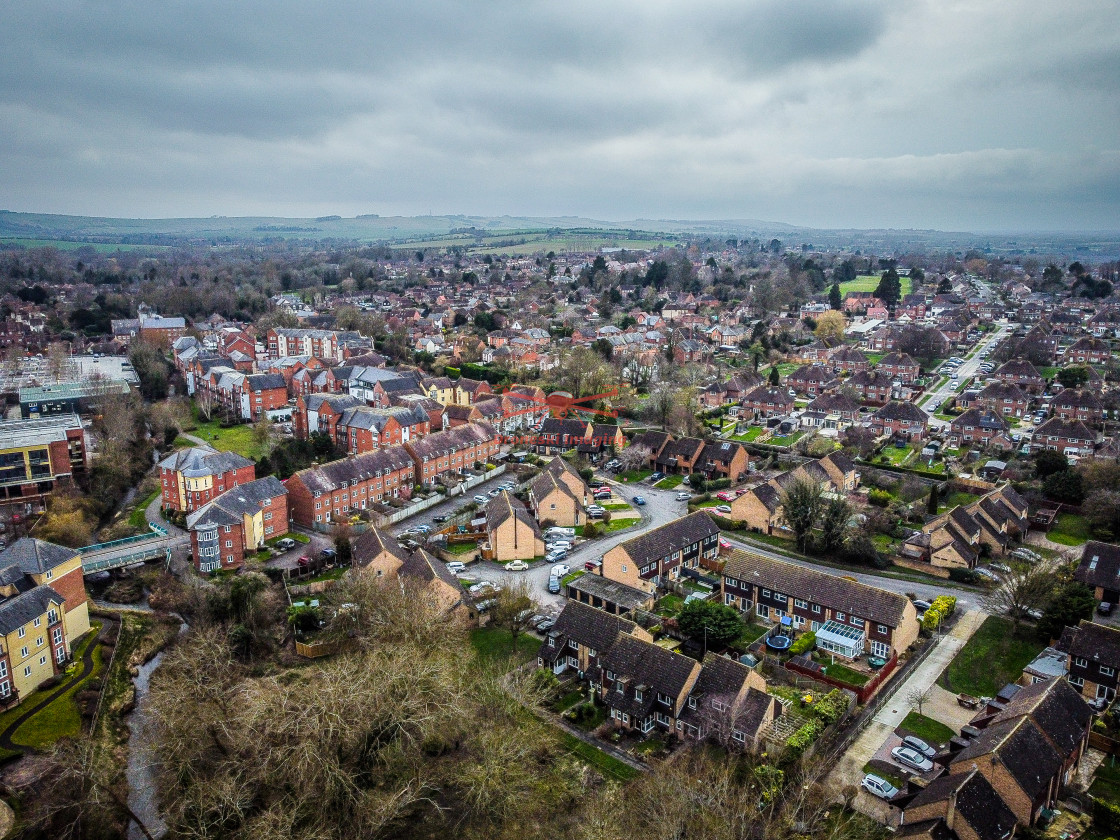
(717, 705)
(817, 609)
(38, 621)
(43, 659)
(691, 703)
(22, 632)
(882, 628)
(797, 602)
(1078, 661)
(27, 670)
(1107, 672)
(765, 593)
(638, 694)
(50, 574)
(226, 528)
(610, 675)
(763, 610)
(856, 621)
(1077, 681)
(840, 616)
(738, 736)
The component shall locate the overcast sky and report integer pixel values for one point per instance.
(829, 113)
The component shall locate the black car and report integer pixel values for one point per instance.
(327, 554)
(443, 517)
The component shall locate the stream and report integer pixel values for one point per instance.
(142, 756)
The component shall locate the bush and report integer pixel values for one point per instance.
(832, 706)
(931, 620)
(1106, 815)
(719, 484)
(945, 604)
(805, 642)
(726, 524)
(879, 498)
(963, 576)
(803, 738)
(591, 530)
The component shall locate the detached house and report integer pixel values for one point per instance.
(900, 419)
(977, 427)
(651, 560)
(1070, 437)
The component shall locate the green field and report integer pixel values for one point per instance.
(990, 660)
(929, 730)
(237, 439)
(1070, 529)
(750, 434)
(869, 282)
(493, 645)
(69, 245)
(540, 242)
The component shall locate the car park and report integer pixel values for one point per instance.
(912, 758)
(553, 584)
(878, 786)
(456, 566)
(918, 745)
(516, 566)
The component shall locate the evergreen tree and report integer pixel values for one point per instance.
(931, 507)
(834, 299)
(775, 377)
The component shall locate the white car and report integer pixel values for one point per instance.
(558, 544)
(560, 569)
(683, 496)
(516, 566)
(455, 567)
(909, 757)
(724, 508)
(481, 499)
(879, 787)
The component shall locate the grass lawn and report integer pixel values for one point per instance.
(870, 282)
(929, 730)
(237, 439)
(494, 645)
(606, 764)
(619, 523)
(634, 475)
(568, 578)
(958, 498)
(462, 547)
(1106, 784)
(874, 358)
(787, 440)
(617, 506)
(991, 659)
(566, 701)
(182, 443)
(895, 455)
(711, 503)
(61, 718)
(884, 543)
(669, 482)
(845, 674)
(753, 433)
(670, 605)
(750, 634)
(139, 516)
(291, 535)
(1070, 529)
(330, 574)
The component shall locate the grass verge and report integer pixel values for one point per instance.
(670, 482)
(607, 764)
(929, 730)
(139, 516)
(493, 646)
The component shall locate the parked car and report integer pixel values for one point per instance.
(495, 493)
(683, 496)
(286, 544)
(443, 517)
(657, 476)
(553, 584)
(1025, 554)
(880, 787)
(639, 500)
(561, 569)
(456, 566)
(600, 495)
(546, 625)
(592, 565)
(724, 509)
(989, 575)
(554, 556)
(912, 758)
(1104, 608)
(613, 464)
(557, 530)
(922, 606)
(516, 566)
(726, 496)
(1000, 567)
(556, 545)
(481, 499)
(482, 586)
(327, 554)
(536, 620)
(917, 744)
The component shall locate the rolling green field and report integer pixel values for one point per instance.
(69, 245)
(868, 283)
(540, 242)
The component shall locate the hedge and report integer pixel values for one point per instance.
(804, 737)
(832, 706)
(719, 484)
(804, 643)
(1106, 816)
(945, 604)
(931, 620)
(959, 575)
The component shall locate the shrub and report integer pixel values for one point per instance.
(719, 484)
(726, 524)
(1106, 815)
(945, 604)
(832, 706)
(931, 620)
(590, 530)
(879, 498)
(803, 738)
(963, 576)
(804, 643)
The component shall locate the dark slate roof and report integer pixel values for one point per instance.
(980, 419)
(1064, 429)
(235, 503)
(841, 461)
(768, 394)
(35, 557)
(1056, 708)
(977, 802)
(859, 599)
(1003, 391)
(611, 591)
(897, 410)
(338, 402)
(721, 677)
(564, 426)
(422, 566)
(442, 443)
(647, 664)
(1098, 643)
(896, 360)
(198, 460)
(265, 381)
(1022, 748)
(721, 452)
(834, 401)
(374, 542)
(811, 373)
(1017, 368)
(588, 627)
(672, 537)
(1071, 398)
(1100, 565)
(652, 440)
(330, 476)
(27, 606)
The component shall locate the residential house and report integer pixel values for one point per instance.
(729, 704)
(161, 331)
(320, 413)
(872, 386)
(899, 366)
(335, 490)
(362, 428)
(559, 434)
(1001, 398)
(1073, 404)
(768, 401)
(1094, 658)
(1022, 373)
(849, 618)
(193, 477)
(1070, 437)
(848, 358)
(723, 459)
(1099, 569)
(644, 686)
(655, 558)
(511, 531)
(581, 633)
(833, 411)
(760, 508)
(902, 420)
(238, 522)
(954, 539)
(979, 427)
(812, 380)
(553, 501)
(1088, 351)
(679, 456)
(608, 595)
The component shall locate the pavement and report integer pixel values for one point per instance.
(849, 769)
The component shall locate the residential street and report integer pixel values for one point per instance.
(932, 401)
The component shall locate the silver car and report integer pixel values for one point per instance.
(915, 743)
(912, 758)
(879, 787)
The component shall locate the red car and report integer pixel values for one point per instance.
(726, 496)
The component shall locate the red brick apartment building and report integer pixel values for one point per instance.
(191, 478)
(333, 491)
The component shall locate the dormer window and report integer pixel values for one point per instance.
(692, 702)
(637, 694)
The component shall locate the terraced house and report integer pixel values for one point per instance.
(581, 633)
(237, 523)
(849, 618)
(652, 560)
(363, 428)
(452, 451)
(955, 538)
(191, 478)
(43, 610)
(760, 508)
(333, 491)
(511, 531)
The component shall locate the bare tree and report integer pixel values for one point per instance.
(634, 457)
(1023, 590)
(918, 697)
(514, 609)
(204, 402)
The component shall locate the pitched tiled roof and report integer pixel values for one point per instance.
(505, 507)
(242, 499)
(34, 556)
(588, 627)
(671, 537)
(1022, 748)
(1058, 427)
(1056, 708)
(649, 665)
(199, 461)
(859, 599)
(374, 542)
(975, 800)
(896, 410)
(27, 606)
(330, 476)
(614, 592)
(443, 443)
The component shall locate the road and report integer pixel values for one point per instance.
(453, 505)
(932, 401)
(661, 508)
